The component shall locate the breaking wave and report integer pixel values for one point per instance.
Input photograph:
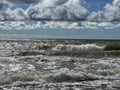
(70, 77)
(78, 48)
(83, 76)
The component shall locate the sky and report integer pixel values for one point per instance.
(81, 19)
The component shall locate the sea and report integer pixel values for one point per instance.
(59, 64)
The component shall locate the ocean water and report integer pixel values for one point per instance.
(59, 64)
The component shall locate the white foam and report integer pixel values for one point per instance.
(77, 48)
(15, 67)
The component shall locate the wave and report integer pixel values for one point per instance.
(83, 76)
(70, 77)
(78, 48)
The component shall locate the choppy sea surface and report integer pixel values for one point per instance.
(59, 64)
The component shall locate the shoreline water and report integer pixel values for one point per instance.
(34, 65)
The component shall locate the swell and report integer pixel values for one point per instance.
(86, 50)
(82, 76)
(78, 48)
(83, 50)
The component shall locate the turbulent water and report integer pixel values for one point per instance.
(43, 64)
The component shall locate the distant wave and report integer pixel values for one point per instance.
(78, 48)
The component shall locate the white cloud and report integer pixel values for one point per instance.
(57, 13)
(20, 14)
(96, 16)
(58, 10)
(62, 10)
(21, 25)
(105, 24)
(7, 14)
(111, 13)
(13, 15)
(4, 4)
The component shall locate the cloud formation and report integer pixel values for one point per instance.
(58, 13)
(7, 14)
(4, 5)
(56, 24)
(111, 13)
(62, 10)
(58, 10)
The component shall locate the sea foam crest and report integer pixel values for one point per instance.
(70, 77)
(77, 48)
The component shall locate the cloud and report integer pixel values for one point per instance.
(4, 5)
(57, 14)
(7, 14)
(58, 10)
(105, 24)
(31, 25)
(49, 10)
(96, 16)
(111, 13)
(13, 15)
(90, 25)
